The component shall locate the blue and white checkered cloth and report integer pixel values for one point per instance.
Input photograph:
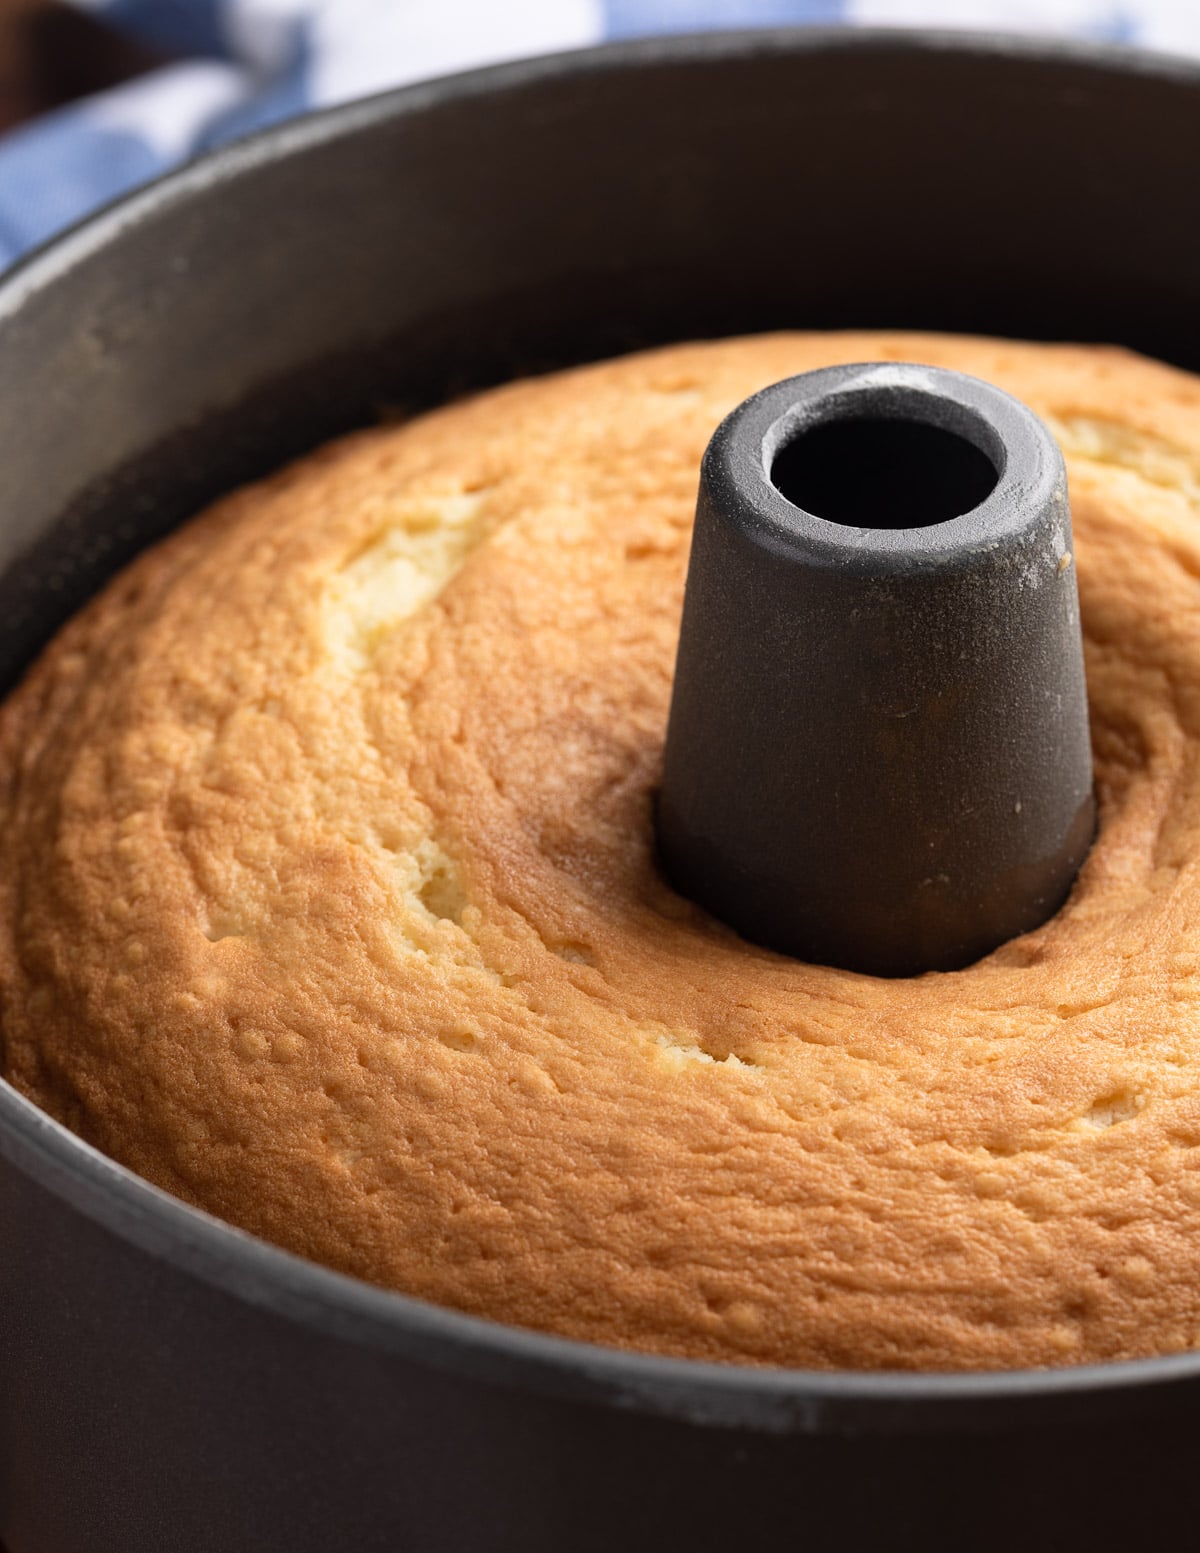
(242, 64)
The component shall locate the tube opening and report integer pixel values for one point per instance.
(883, 473)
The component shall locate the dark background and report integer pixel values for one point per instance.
(50, 54)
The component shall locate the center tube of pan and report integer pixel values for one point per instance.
(878, 753)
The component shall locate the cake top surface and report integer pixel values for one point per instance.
(330, 905)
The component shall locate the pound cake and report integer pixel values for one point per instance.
(330, 905)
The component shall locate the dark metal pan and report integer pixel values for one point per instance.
(169, 1385)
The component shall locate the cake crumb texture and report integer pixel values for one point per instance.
(329, 904)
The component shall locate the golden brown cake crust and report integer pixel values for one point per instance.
(328, 903)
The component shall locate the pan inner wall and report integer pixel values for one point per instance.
(138, 503)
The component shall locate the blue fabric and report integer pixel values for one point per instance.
(238, 65)
(281, 95)
(1118, 26)
(54, 173)
(175, 26)
(635, 18)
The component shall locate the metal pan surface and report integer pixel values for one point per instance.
(169, 1385)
